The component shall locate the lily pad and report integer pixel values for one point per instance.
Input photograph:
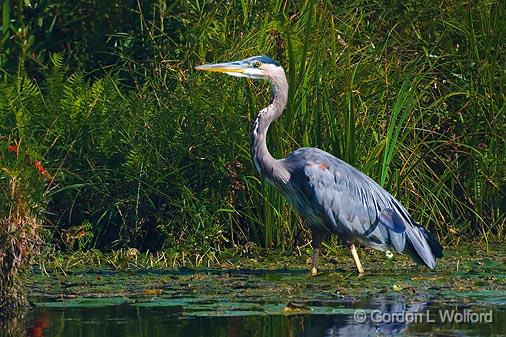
(225, 313)
(168, 302)
(81, 302)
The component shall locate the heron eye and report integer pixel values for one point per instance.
(257, 64)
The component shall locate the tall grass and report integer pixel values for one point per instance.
(147, 153)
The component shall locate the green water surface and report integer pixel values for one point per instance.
(465, 296)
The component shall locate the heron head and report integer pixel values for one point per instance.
(257, 67)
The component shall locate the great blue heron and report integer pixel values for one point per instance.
(332, 196)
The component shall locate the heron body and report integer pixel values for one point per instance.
(332, 196)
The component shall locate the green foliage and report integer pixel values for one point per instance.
(145, 153)
(22, 200)
(113, 167)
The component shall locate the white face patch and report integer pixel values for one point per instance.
(265, 71)
(254, 72)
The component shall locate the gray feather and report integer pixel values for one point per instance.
(334, 197)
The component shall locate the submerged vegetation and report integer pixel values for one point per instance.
(121, 145)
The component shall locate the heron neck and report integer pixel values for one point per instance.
(265, 164)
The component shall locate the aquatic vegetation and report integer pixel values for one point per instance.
(467, 269)
(282, 292)
(22, 197)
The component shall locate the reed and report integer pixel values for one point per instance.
(146, 153)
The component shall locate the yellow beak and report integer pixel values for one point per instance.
(230, 67)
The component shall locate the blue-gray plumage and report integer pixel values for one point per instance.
(332, 196)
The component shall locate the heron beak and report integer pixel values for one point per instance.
(231, 68)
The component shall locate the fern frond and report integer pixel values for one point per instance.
(57, 60)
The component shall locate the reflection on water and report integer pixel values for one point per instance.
(129, 320)
(216, 303)
(385, 318)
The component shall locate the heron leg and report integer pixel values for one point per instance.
(314, 258)
(353, 250)
(316, 242)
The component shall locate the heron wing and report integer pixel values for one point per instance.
(335, 197)
(349, 202)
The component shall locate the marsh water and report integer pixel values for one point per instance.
(231, 319)
(465, 296)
